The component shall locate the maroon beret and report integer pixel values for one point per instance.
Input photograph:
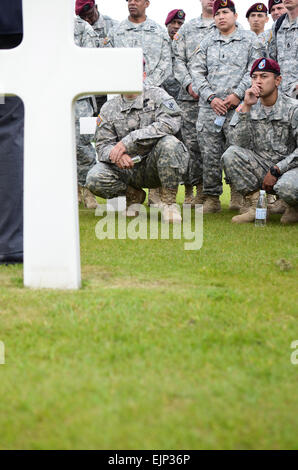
(175, 14)
(80, 4)
(219, 4)
(265, 65)
(258, 8)
(272, 3)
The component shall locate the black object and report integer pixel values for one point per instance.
(11, 147)
(279, 22)
(275, 172)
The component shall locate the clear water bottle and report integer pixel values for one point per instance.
(136, 159)
(219, 122)
(261, 210)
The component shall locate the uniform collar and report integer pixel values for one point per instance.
(138, 103)
(287, 25)
(277, 111)
(146, 25)
(202, 23)
(236, 36)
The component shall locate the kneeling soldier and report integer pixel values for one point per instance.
(140, 125)
(264, 131)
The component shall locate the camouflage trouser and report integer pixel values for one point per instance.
(190, 110)
(165, 165)
(212, 145)
(246, 171)
(86, 154)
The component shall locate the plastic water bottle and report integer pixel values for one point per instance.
(219, 122)
(137, 159)
(261, 210)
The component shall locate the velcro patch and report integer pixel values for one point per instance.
(170, 104)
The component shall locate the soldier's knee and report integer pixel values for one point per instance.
(168, 142)
(94, 179)
(287, 187)
(229, 156)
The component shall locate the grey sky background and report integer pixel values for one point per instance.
(159, 9)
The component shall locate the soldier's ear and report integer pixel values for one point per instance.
(236, 16)
(267, 19)
(278, 80)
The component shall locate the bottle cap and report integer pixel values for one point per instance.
(262, 191)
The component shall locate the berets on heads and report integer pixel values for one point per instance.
(175, 14)
(265, 65)
(272, 3)
(219, 4)
(84, 5)
(258, 8)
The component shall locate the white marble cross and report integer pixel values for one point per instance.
(47, 71)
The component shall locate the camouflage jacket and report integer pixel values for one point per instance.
(138, 124)
(184, 46)
(265, 39)
(284, 49)
(273, 135)
(103, 26)
(171, 85)
(222, 66)
(154, 41)
(84, 35)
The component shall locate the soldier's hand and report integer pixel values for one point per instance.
(252, 95)
(231, 101)
(192, 93)
(117, 152)
(218, 106)
(269, 182)
(125, 162)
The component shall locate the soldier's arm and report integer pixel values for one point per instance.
(272, 49)
(240, 130)
(199, 72)
(105, 137)
(164, 66)
(255, 53)
(181, 71)
(167, 122)
(291, 161)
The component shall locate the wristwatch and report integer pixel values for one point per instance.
(275, 172)
(211, 98)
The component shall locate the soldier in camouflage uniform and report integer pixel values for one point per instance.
(174, 21)
(102, 25)
(284, 47)
(257, 17)
(84, 36)
(264, 134)
(276, 9)
(220, 72)
(184, 46)
(140, 31)
(140, 125)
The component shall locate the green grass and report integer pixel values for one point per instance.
(161, 348)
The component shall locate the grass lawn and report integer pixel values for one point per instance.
(161, 349)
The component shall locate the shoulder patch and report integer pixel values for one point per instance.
(99, 120)
(170, 104)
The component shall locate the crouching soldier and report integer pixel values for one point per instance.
(264, 131)
(140, 125)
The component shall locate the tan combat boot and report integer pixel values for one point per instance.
(277, 207)
(245, 205)
(188, 198)
(211, 205)
(200, 198)
(154, 197)
(290, 216)
(237, 200)
(89, 199)
(170, 212)
(133, 196)
(249, 216)
(80, 197)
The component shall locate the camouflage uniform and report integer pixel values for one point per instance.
(260, 141)
(284, 49)
(146, 127)
(84, 36)
(104, 25)
(171, 85)
(154, 41)
(184, 46)
(265, 39)
(220, 66)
